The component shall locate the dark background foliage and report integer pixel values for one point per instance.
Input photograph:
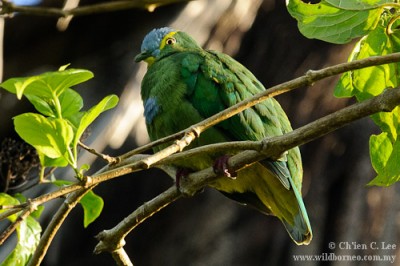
(209, 229)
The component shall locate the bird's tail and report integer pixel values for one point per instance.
(263, 191)
(299, 227)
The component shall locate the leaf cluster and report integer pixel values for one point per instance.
(377, 23)
(56, 129)
(55, 132)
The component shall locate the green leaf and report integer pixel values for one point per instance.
(42, 105)
(38, 212)
(344, 88)
(6, 199)
(395, 41)
(371, 81)
(389, 122)
(92, 206)
(64, 67)
(84, 167)
(50, 92)
(28, 238)
(49, 136)
(380, 148)
(28, 233)
(358, 4)
(47, 84)
(71, 102)
(332, 24)
(89, 116)
(18, 85)
(390, 172)
(50, 162)
(75, 119)
(61, 80)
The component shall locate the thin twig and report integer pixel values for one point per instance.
(55, 224)
(9, 212)
(8, 8)
(109, 241)
(13, 226)
(105, 157)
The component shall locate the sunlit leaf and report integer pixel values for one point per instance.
(51, 137)
(64, 67)
(28, 233)
(89, 116)
(326, 22)
(380, 148)
(18, 85)
(71, 102)
(358, 4)
(371, 81)
(50, 162)
(42, 105)
(6, 199)
(390, 173)
(47, 84)
(388, 122)
(92, 206)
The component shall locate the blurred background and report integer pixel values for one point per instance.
(207, 229)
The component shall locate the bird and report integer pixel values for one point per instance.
(185, 84)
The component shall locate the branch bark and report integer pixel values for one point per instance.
(55, 224)
(8, 8)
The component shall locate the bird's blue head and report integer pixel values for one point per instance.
(152, 44)
(162, 41)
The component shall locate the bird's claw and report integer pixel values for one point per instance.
(221, 167)
(181, 173)
(180, 176)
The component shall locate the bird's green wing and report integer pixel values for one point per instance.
(216, 81)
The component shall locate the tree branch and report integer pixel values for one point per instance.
(8, 8)
(111, 240)
(13, 226)
(55, 224)
(105, 157)
(121, 257)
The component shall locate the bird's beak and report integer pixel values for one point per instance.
(145, 56)
(142, 56)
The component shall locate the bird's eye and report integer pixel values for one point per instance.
(170, 41)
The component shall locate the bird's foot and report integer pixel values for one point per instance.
(221, 167)
(180, 176)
